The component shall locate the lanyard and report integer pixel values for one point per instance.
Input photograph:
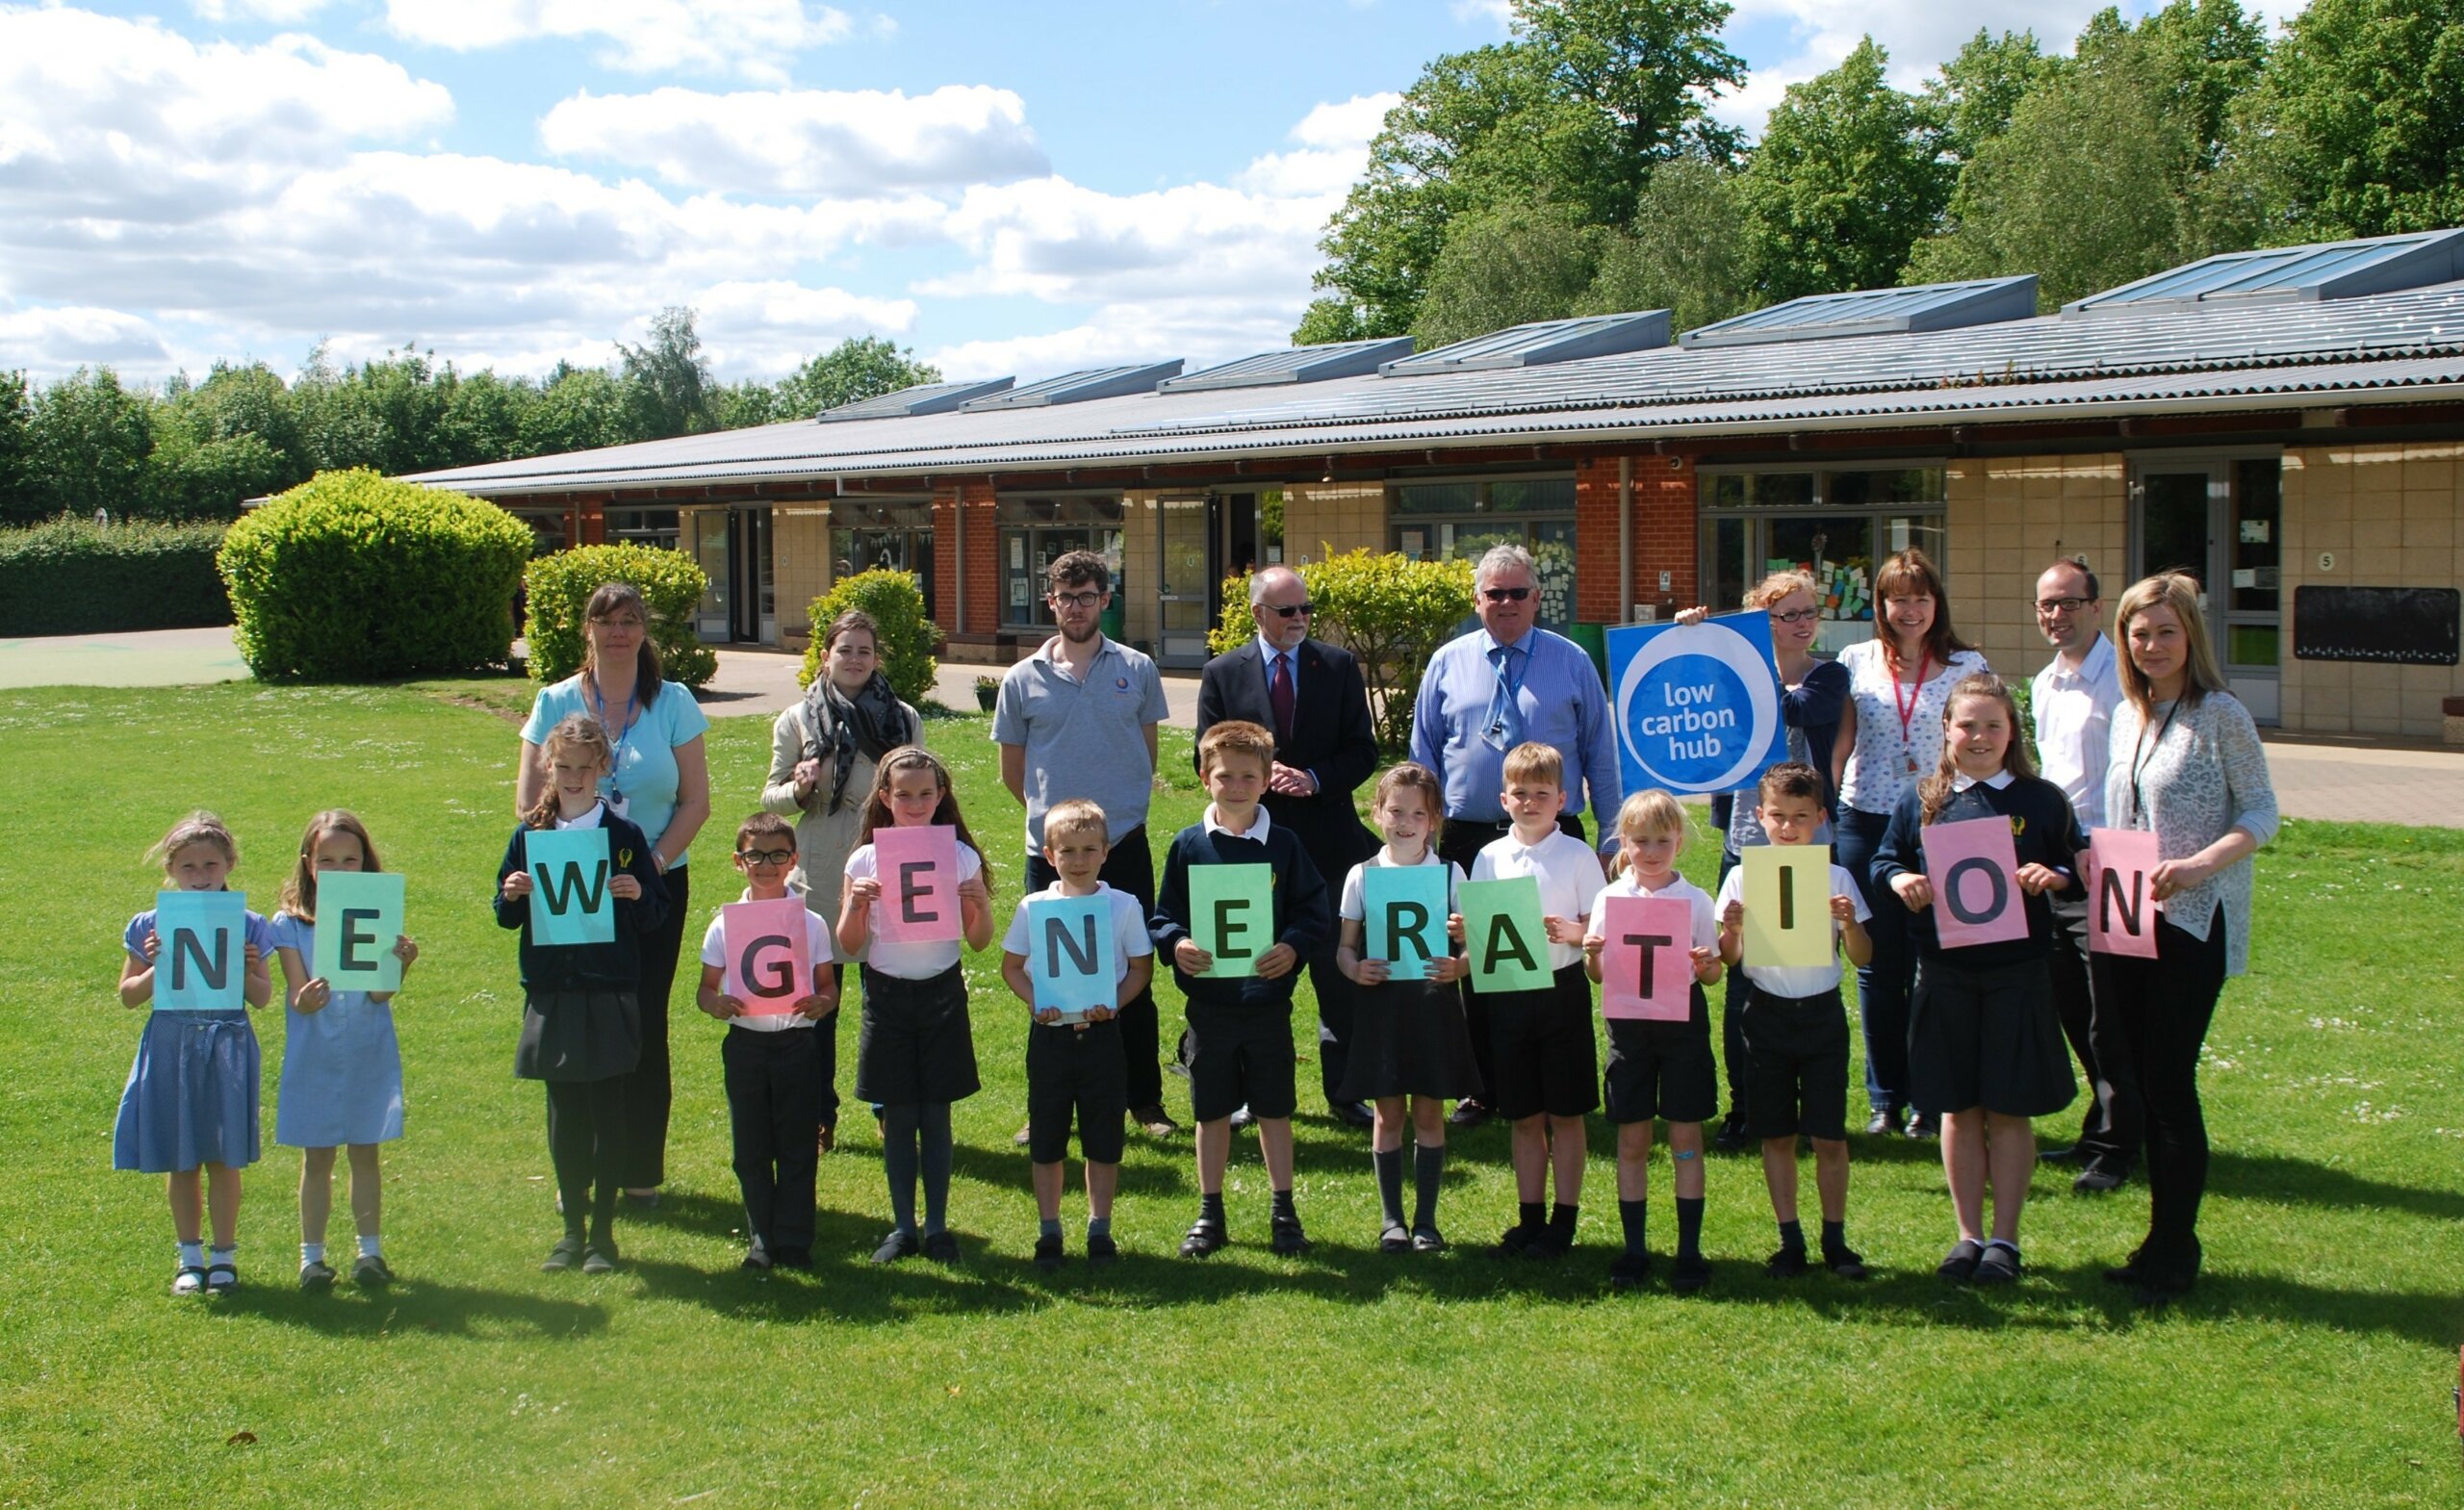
(1908, 708)
(616, 761)
(2139, 766)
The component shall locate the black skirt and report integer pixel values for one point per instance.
(578, 1035)
(915, 1043)
(1989, 1038)
(1408, 1039)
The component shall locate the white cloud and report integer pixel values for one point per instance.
(755, 39)
(283, 12)
(53, 340)
(1498, 13)
(804, 141)
(1203, 332)
(766, 328)
(1334, 149)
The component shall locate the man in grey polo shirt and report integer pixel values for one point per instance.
(1077, 719)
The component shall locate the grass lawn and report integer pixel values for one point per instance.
(2312, 1367)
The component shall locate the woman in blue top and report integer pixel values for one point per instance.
(660, 783)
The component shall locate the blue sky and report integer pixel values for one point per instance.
(1007, 189)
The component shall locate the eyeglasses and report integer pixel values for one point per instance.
(1505, 595)
(2053, 605)
(1798, 617)
(1287, 610)
(765, 857)
(1076, 599)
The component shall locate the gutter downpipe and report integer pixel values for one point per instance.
(1625, 538)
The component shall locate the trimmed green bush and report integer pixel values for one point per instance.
(669, 581)
(70, 575)
(907, 639)
(354, 576)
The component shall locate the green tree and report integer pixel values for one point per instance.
(1844, 182)
(1970, 99)
(483, 418)
(21, 499)
(579, 409)
(90, 439)
(1505, 267)
(735, 406)
(1682, 253)
(387, 415)
(860, 367)
(666, 381)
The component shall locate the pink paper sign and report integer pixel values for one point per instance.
(919, 875)
(1975, 872)
(1647, 971)
(2121, 901)
(769, 958)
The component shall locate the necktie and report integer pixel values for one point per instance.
(1279, 693)
(1503, 726)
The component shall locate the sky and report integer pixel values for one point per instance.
(1007, 189)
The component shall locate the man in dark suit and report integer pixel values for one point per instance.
(1311, 695)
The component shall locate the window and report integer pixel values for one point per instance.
(1835, 524)
(1460, 521)
(644, 527)
(1036, 532)
(893, 534)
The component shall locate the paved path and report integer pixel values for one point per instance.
(2351, 780)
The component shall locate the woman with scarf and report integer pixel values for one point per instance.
(822, 754)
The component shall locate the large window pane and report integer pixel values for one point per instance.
(2173, 524)
(2256, 542)
(1894, 485)
(1437, 498)
(1533, 496)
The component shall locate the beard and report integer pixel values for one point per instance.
(1094, 627)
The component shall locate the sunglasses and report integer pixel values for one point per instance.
(765, 857)
(1287, 610)
(1505, 595)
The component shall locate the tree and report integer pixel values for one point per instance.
(1845, 181)
(21, 500)
(666, 381)
(579, 409)
(90, 438)
(1505, 267)
(1683, 253)
(860, 367)
(483, 418)
(1970, 99)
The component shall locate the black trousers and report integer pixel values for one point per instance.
(1733, 1011)
(1459, 842)
(2156, 1011)
(585, 1127)
(2112, 1130)
(1885, 982)
(774, 1107)
(1334, 1013)
(1130, 867)
(642, 1146)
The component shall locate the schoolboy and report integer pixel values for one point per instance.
(1240, 1029)
(1548, 1058)
(776, 1079)
(1796, 1037)
(1081, 1067)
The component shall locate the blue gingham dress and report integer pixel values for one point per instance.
(192, 1095)
(342, 1067)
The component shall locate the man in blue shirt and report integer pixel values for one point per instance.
(1486, 693)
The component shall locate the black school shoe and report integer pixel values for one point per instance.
(1789, 1263)
(1468, 1114)
(1048, 1253)
(1732, 1138)
(1960, 1266)
(942, 1246)
(901, 1244)
(1844, 1262)
(1285, 1236)
(1925, 1125)
(1516, 1241)
(315, 1277)
(2000, 1265)
(566, 1255)
(1397, 1239)
(2100, 1175)
(1204, 1238)
(1688, 1274)
(372, 1271)
(1102, 1251)
(1630, 1272)
(601, 1257)
(1884, 1123)
(1427, 1239)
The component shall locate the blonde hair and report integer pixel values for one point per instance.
(1077, 815)
(1779, 584)
(1410, 774)
(2179, 593)
(1933, 792)
(300, 888)
(572, 731)
(1646, 814)
(1235, 737)
(197, 827)
(1533, 761)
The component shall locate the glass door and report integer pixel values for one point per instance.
(1184, 581)
(710, 617)
(754, 588)
(2219, 521)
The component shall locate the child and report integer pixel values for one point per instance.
(1408, 1038)
(1547, 1059)
(1796, 1037)
(192, 1096)
(1240, 1030)
(582, 1023)
(1660, 1068)
(1983, 1034)
(771, 1063)
(1080, 1067)
(915, 1054)
(342, 1070)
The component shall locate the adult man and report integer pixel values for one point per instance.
(2073, 701)
(1311, 696)
(1486, 693)
(1077, 719)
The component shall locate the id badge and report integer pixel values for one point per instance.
(1494, 736)
(617, 803)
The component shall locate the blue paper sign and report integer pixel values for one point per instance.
(200, 964)
(1069, 954)
(570, 870)
(1403, 918)
(1697, 706)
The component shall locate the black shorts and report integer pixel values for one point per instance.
(1661, 1070)
(1548, 1056)
(1241, 1055)
(914, 1044)
(1989, 1038)
(1796, 1065)
(1082, 1072)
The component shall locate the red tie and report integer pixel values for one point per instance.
(1279, 693)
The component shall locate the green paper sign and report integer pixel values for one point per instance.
(1502, 927)
(1232, 916)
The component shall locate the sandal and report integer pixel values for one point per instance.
(189, 1281)
(220, 1279)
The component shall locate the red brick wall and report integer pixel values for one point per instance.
(1663, 534)
(980, 573)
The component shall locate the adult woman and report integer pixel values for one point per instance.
(823, 752)
(2187, 764)
(1891, 732)
(661, 782)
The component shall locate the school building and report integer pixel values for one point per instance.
(2286, 425)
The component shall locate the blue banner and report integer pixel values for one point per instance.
(1697, 706)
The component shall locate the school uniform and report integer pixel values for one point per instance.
(1080, 1069)
(1662, 1068)
(915, 1044)
(1796, 1032)
(1983, 1026)
(1547, 1056)
(1241, 1028)
(192, 1096)
(1408, 1038)
(770, 1066)
(341, 1066)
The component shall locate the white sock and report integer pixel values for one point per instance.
(191, 1255)
(311, 1253)
(226, 1256)
(370, 1245)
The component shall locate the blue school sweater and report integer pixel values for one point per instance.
(1301, 919)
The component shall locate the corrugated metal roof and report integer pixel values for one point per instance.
(1292, 365)
(922, 398)
(1540, 344)
(2157, 354)
(2284, 275)
(1932, 306)
(1095, 382)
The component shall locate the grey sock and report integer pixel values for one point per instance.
(1428, 1172)
(1389, 1162)
(899, 1162)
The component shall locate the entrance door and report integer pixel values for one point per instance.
(753, 611)
(713, 617)
(2220, 522)
(1186, 573)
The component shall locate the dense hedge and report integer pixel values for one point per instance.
(560, 587)
(352, 576)
(73, 577)
(907, 639)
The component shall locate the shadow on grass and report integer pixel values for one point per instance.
(2275, 1177)
(412, 1304)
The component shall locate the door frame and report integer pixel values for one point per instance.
(2260, 688)
(1183, 648)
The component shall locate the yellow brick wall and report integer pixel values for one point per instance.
(1137, 586)
(1328, 519)
(2008, 518)
(2386, 516)
(800, 565)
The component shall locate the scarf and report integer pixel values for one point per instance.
(873, 722)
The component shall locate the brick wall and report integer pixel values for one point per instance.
(1663, 533)
(979, 575)
(800, 564)
(2007, 519)
(1324, 518)
(2384, 516)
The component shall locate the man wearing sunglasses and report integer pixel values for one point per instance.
(1311, 695)
(1488, 691)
